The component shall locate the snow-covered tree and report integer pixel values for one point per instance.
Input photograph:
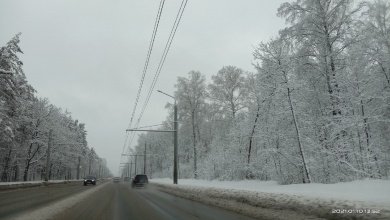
(190, 96)
(317, 109)
(228, 89)
(25, 125)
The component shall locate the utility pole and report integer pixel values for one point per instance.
(131, 169)
(145, 159)
(48, 155)
(100, 167)
(175, 138)
(175, 127)
(89, 169)
(135, 168)
(78, 168)
(135, 163)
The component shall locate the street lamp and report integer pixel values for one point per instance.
(175, 128)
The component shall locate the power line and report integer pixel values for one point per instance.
(165, 53)
(151, 43)
(162, 61)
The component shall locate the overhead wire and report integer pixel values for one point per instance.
(161, 63)
(165, 53)
(151, 43)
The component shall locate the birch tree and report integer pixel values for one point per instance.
(276, 55)
(227, 89)
(190, 95)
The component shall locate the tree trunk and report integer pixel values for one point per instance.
(300, 146)
(27, 167)
(333, 89)
(4, 175)
(25, 174)
(307, 177)
(47, 174)
(194, 144)
(248, 175)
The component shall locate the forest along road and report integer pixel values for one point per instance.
(120, 201)
(15, 201)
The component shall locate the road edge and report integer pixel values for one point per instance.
(32, 184)
(48, 212)
(21, 185)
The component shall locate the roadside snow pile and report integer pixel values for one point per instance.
(352, 200)
(16, 185)
(48, 212)
(32, 182)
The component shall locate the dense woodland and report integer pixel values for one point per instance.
(29, 125)
(316, 108)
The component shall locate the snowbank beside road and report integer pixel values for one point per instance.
(16, 185)
(259, 199)
(49, 211)
(371, 191)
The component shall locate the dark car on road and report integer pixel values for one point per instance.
(140, 180)
(89, 180)
(116, 179)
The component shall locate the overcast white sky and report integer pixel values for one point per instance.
(87, 56)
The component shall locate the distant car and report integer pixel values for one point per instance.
(89, 180)
(140, 180)
(116, 179)
(126, 179)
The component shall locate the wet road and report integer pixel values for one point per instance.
(119, 201)
(14, 202)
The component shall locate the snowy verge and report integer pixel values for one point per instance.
(373, 191)
(55, 208)
(274, 205)
(18, 185)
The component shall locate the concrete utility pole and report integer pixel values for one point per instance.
(100, 168)
(135, 163)
(175, 131)
(145, 160)
(175, 139)
(48, 155)
(89, 169)
(131, 170)
(175, 127)
(78, 167)
(131, 163)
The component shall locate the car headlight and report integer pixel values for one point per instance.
(93, 180)
(85, 180)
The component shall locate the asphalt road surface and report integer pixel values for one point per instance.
(15, 201)
(112, 201)
(119, 201)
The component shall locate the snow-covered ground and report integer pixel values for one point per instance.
(17, 185)
(34, 182)
(350, 200)
(372, 191)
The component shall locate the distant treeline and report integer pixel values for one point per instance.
(28, 122)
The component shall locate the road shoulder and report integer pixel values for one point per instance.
(53, 209)
(265, 205)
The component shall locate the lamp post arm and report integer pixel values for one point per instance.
(166, 94)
